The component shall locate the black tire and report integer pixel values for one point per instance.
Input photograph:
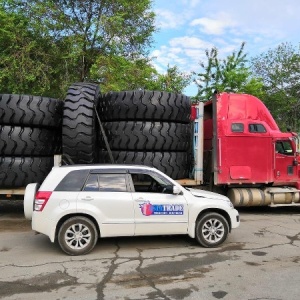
(29, 141)
(145, 106)
(211, 230)
(175, 164)
(20, 171)
(148, 136)
(84, 242)
(79, 130)
(27, 110)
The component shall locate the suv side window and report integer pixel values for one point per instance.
(73, 181)
(106, 183)
(92, 184)
(145, 183)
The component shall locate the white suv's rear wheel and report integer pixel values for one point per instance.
(77, 236)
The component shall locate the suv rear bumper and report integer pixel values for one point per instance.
(43, 225)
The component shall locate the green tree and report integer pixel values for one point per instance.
(172, 81)
(226, 75)
(26, 64)
(94, 27)
(279, 69)
(71, 35)
(117, 73)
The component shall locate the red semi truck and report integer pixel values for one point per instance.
(240, 152)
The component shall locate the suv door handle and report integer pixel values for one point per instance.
(87, 198)
(139, 199)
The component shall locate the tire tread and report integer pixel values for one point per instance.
(79, 132)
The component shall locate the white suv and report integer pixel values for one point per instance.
(77, 204)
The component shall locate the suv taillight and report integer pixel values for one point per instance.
(41, 199)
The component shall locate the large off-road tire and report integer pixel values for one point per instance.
(148, 136)
(80, 125)
(175, 164)
(211, 230)
(145, 106)
(20, 171)
(77, 236)
(27, 110)
(29, 141)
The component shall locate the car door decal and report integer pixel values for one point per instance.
(149, 209)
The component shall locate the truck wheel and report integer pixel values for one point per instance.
(29, 141)
(29, 197)
(145, 106)
(79, 130)
(27, 110)
(211, 230)
(77, 236)
(20, 171)
(175, 164)
(148, 136)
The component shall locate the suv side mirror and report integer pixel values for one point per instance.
(176, 190)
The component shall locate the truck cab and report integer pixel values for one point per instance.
(246, 154)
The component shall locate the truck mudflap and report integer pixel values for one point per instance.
(263, 197)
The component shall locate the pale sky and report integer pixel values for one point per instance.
(188, 27)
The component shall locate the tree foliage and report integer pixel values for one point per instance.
(118, 73)
(279, 69)
(226, 75)
(58, 41)
(25, 58)
(172, 81)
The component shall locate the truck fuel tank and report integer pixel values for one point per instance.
(263, 197)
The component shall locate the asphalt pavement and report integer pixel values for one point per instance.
(260, 260)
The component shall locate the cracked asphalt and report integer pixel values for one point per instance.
(259, 261)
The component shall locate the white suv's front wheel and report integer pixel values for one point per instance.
(211, 230)
(77, 236)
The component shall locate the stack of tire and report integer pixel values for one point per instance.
(150, 128)
(30, 135)
(142, 127)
